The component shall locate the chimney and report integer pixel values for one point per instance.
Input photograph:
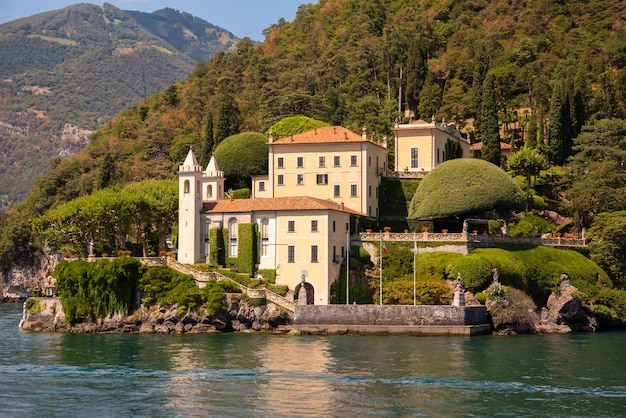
(342, 206)
(345, 135)
(271, 138)
(334, 129)
(291, 138)
(315, 131)
(364, 134)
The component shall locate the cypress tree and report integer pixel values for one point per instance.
(489, 128)
(207, 141)
(417, 70)
(223, 124)
(480, 64)
(556, 130)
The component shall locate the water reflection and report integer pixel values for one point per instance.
(297, 379)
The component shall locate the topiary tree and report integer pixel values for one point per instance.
(294, 125)
(463, 187)
(242, 156)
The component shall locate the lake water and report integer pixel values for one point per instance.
(250, 375)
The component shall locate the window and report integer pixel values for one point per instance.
(265, 236)
(414, 158)
(353, 190)
(209, 191)
(314, 225)
(322, 179)
(337, 160)
(186, 188)
(261, 186)
(335, 258)
(280, 162)
(207, 234)
(233, 231)
(300, 179)
(280, 180)
(322, 161)
(334, 226)
(369, 190)
(291, 254)
(369, 211)
(291, 226)
(353, 160)
(300, 162)
(313, 253)
(438, 152)
(376, 192)
(369, 160)
(337, 190)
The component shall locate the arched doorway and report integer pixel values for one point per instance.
(310, 293)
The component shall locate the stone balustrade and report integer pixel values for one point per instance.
(474, 240)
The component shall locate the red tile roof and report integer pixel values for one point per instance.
(479, 145)
(326, 134)
(274, 203)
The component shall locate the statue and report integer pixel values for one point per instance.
(459, 293)
(496, 276)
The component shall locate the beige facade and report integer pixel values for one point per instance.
(328, 163)
(420, 146)
(298, 237)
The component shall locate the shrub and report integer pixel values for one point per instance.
(480, 298)
(475, 271)
(33, 306)
(516, 309)
(453, 189)
(294, 125)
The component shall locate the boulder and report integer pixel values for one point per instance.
(565, 313)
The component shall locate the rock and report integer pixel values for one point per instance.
(566, 313)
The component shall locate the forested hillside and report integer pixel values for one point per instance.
(550, 67)
(64, 73)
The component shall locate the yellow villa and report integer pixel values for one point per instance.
(421, 146)
(327, 163)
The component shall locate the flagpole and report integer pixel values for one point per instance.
(348, 266)
(380, 252)
(414, 269)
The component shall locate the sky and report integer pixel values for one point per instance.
(241, 17)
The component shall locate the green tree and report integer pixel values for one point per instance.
(531, 132)
(416, 71)
(242, 156)
(223, 123)
(489, 127)
(527, 162)
(294, 125)
(208, 141)
(597, 174)
(453, 150)
(430, 98)
(608, 245)
(556, 131)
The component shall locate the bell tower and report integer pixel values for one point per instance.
(189, 206)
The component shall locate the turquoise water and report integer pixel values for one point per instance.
(250, 375)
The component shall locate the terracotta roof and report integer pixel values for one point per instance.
(479, 145)
(274, 203)
(326, 134)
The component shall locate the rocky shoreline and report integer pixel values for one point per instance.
(239, 316)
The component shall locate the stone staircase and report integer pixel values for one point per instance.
(202, 278)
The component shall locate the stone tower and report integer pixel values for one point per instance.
(194, 187)
(189, 206)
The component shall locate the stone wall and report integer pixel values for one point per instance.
(390, 315)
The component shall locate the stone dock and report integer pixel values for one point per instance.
(392, 320)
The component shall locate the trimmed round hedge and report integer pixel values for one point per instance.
(465, 186)
(242, 156)
(294, 125)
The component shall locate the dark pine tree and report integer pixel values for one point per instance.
(223, 123)
(208, 141)
(556, 128)
(531, 132)
(480, 64)
(417, 70)
(489, 127)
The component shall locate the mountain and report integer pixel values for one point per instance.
(64, 73)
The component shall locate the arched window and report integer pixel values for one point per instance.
(209, 191)
(233, 232)
(186, 187)
(265, 236)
